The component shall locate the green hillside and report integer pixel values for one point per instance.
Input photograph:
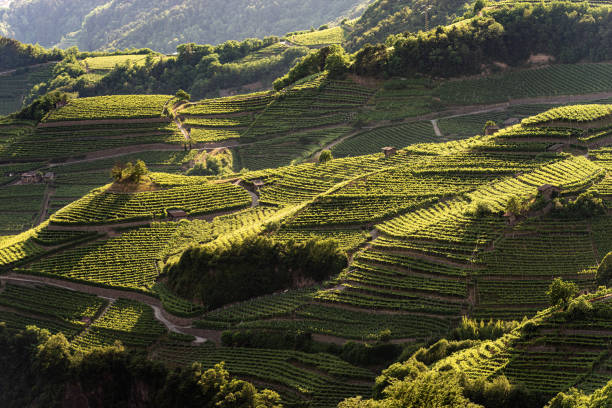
(411, 277)
(422, 223)
(103, 25)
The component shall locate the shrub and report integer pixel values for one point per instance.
(129, 173)
(561, 292)
(182, 95)
(470, 329)
(325, 156)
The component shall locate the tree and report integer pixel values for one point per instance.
(129, 172)
(604, 271)
(182, 95)
(561, 292)
(325, 156)
(139, 171)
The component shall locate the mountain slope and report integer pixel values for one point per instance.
(162, 24)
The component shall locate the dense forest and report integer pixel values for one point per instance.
(509, 34)
(40, 369)
(162, 25)
(15, 54)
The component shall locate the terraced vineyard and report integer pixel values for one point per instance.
(110, 107)
(427, 229)
(334, 35)
(107, 63)
(558, 352)
(104, 207)
(552, 80)
(14, 87)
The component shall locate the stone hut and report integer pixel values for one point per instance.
(389, 151)
(511, 122)
(257, 184)
(49, 177)
(176, 214)
(31, 177)
(548, 190)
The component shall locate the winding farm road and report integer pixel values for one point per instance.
(179, 325)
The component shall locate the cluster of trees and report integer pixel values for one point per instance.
(212, 165)
(40, 369)
(470, 329)
(510, 33)
(129, 173)
(332, 59)
(570, 32)
(42, 105)
(200, 69)
(218, 275)
(584, 206)
(14, 54)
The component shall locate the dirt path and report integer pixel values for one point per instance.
(434, 123)
(45, 207)
(173, 323)
(336, 142)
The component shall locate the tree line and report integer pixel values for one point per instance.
(41, 369)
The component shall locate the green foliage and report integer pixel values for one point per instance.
(45, 362)
(182, 95)
(507, 34)
(129, 173)
(212, 165)
(325, 156)
(586, 205)
(471, 329)
(40, 107)
(441, 349)
(253, 267)
(561, 292)
(371, 60)
(574, 398)
(14, 54)
(428, 390)
(499, 392)
(385, 17)
(404, 371)
(332, 58)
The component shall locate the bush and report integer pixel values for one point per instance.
(561, 292)
(325, 156)
(470, 329)
(129, 173)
